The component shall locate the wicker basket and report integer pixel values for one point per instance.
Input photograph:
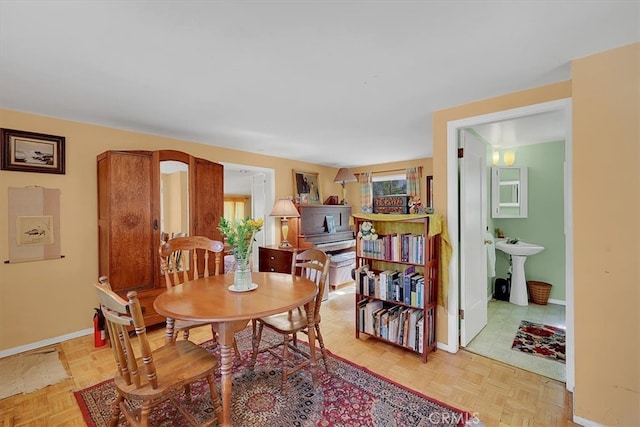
(538, 292)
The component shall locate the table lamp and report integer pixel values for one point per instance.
(285, 209)
(344, 175)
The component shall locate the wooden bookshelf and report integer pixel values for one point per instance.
(397, 281)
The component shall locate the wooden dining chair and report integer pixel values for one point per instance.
(146, 378)
(314, 265)
(187, 258)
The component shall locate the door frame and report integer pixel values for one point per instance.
(261, 210)
(453, 220)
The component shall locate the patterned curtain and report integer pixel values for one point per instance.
(413, 182)
(366, 191)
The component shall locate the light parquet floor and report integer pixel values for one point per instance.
(500, 395)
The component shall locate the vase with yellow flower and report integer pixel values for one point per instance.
(240, 235)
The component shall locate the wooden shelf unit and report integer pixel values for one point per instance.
(371, 300)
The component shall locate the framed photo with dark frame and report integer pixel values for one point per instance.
(429, 194)
(306, 183)
(24, 151)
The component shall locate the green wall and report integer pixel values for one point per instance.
(545, 223)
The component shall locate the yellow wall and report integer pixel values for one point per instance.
(606, 136)
(606, 153)
(46, 299)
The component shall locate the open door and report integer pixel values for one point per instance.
(473, 223)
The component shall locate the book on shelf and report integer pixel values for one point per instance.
(413, 319)
(361, 314)
(420, 332)
(393, 323)
(377, 321)
(404, 247)
(384, 324)
(370, 308)
(415, 280)
(407, 272)
(384, 277)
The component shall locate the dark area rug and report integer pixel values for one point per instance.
(348, 395)
(541, 340)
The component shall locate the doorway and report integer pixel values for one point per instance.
(259, 184)
(458, 237)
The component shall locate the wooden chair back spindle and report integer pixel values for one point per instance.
(187, 258)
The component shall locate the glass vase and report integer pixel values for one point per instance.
(242, 273)
(242, 278)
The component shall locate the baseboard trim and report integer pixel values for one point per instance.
(446, 347)
(557, 301)
(44, 343)
(585, 422)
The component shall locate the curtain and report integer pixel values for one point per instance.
(366, 191)
(413, 182)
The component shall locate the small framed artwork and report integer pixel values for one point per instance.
(306, 183)
(429, 193)
(32, 152)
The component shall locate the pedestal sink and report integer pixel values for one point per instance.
(518, 252)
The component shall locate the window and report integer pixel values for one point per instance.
(390, 185)
(235, 208)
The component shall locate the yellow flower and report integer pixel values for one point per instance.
(240, 235)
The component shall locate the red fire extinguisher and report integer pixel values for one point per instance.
(99, 334)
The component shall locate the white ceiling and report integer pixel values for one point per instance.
(340, 83)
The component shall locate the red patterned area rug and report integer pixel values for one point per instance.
(348, 395)
(541, 340)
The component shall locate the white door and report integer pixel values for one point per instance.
(473, 223)
(258, 210)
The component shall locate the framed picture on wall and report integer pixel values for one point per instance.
(306, 183)
(429, 193)
(32, 152)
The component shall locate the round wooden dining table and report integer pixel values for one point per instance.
(209, 299)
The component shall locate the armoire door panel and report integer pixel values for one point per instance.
(129, 219)
(208, 198)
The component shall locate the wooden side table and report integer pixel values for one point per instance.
(275, 259)
(278, 260)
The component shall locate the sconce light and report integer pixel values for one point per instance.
(496, 158)
(285, 209)
(509, 158)
(344, 175)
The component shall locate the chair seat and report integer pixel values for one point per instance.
(294, 320)
(176, 364)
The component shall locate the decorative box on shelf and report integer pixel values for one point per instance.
(391, 204)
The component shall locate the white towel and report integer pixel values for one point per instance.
(491, 254)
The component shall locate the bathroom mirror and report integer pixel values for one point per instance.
(509, 192)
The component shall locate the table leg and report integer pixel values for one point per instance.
(312, 342)
(226, 331)
(168, 335)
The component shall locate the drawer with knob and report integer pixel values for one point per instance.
(275, 259)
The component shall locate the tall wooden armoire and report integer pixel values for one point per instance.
(133, 206)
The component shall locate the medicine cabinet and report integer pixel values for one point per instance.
(509, 192)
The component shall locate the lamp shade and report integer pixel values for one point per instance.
(285, 208)
(345, 175)
(509, 158)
